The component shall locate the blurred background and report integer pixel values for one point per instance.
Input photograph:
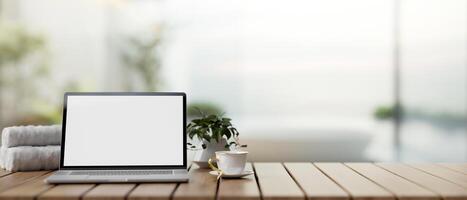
(321, 80)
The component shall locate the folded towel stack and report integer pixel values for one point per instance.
(26, 148)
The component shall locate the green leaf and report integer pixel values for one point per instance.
(197, 121)
(207, 138)
(215, 135)
(227, 133)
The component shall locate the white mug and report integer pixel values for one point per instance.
(229, 162)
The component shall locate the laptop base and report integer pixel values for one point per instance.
(66, 176)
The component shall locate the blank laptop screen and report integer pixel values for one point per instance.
(124, 131)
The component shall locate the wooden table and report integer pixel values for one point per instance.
(319, 181)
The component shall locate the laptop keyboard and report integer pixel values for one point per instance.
(119, 173)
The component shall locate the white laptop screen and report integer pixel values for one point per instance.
(124, 130)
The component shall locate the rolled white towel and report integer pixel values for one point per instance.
(31, 135)
(2, 155)
(29, 158)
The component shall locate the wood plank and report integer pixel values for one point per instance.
(243, 189)
(109, 192)
(201, 185)
(315, 184)
(449, 175)
(445, 188)
(4, 172)
(355, 184)
(400, 187)
(275, 182)
(66, 192)
(27, 191)
(14, 179)
(456, 167)
(154, 191)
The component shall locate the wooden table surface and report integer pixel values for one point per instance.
(319, 181)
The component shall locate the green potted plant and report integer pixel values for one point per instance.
(214, 133)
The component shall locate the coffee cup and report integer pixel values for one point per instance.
(229, 162)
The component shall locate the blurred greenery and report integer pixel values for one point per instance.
(440, 119)
(141, 56)
(197, 109)
(443, 119)
(23, 64)
(16, 43)
(384, 112)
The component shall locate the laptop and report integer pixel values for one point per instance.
(123, 137)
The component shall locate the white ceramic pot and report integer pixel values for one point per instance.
(201, 157)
